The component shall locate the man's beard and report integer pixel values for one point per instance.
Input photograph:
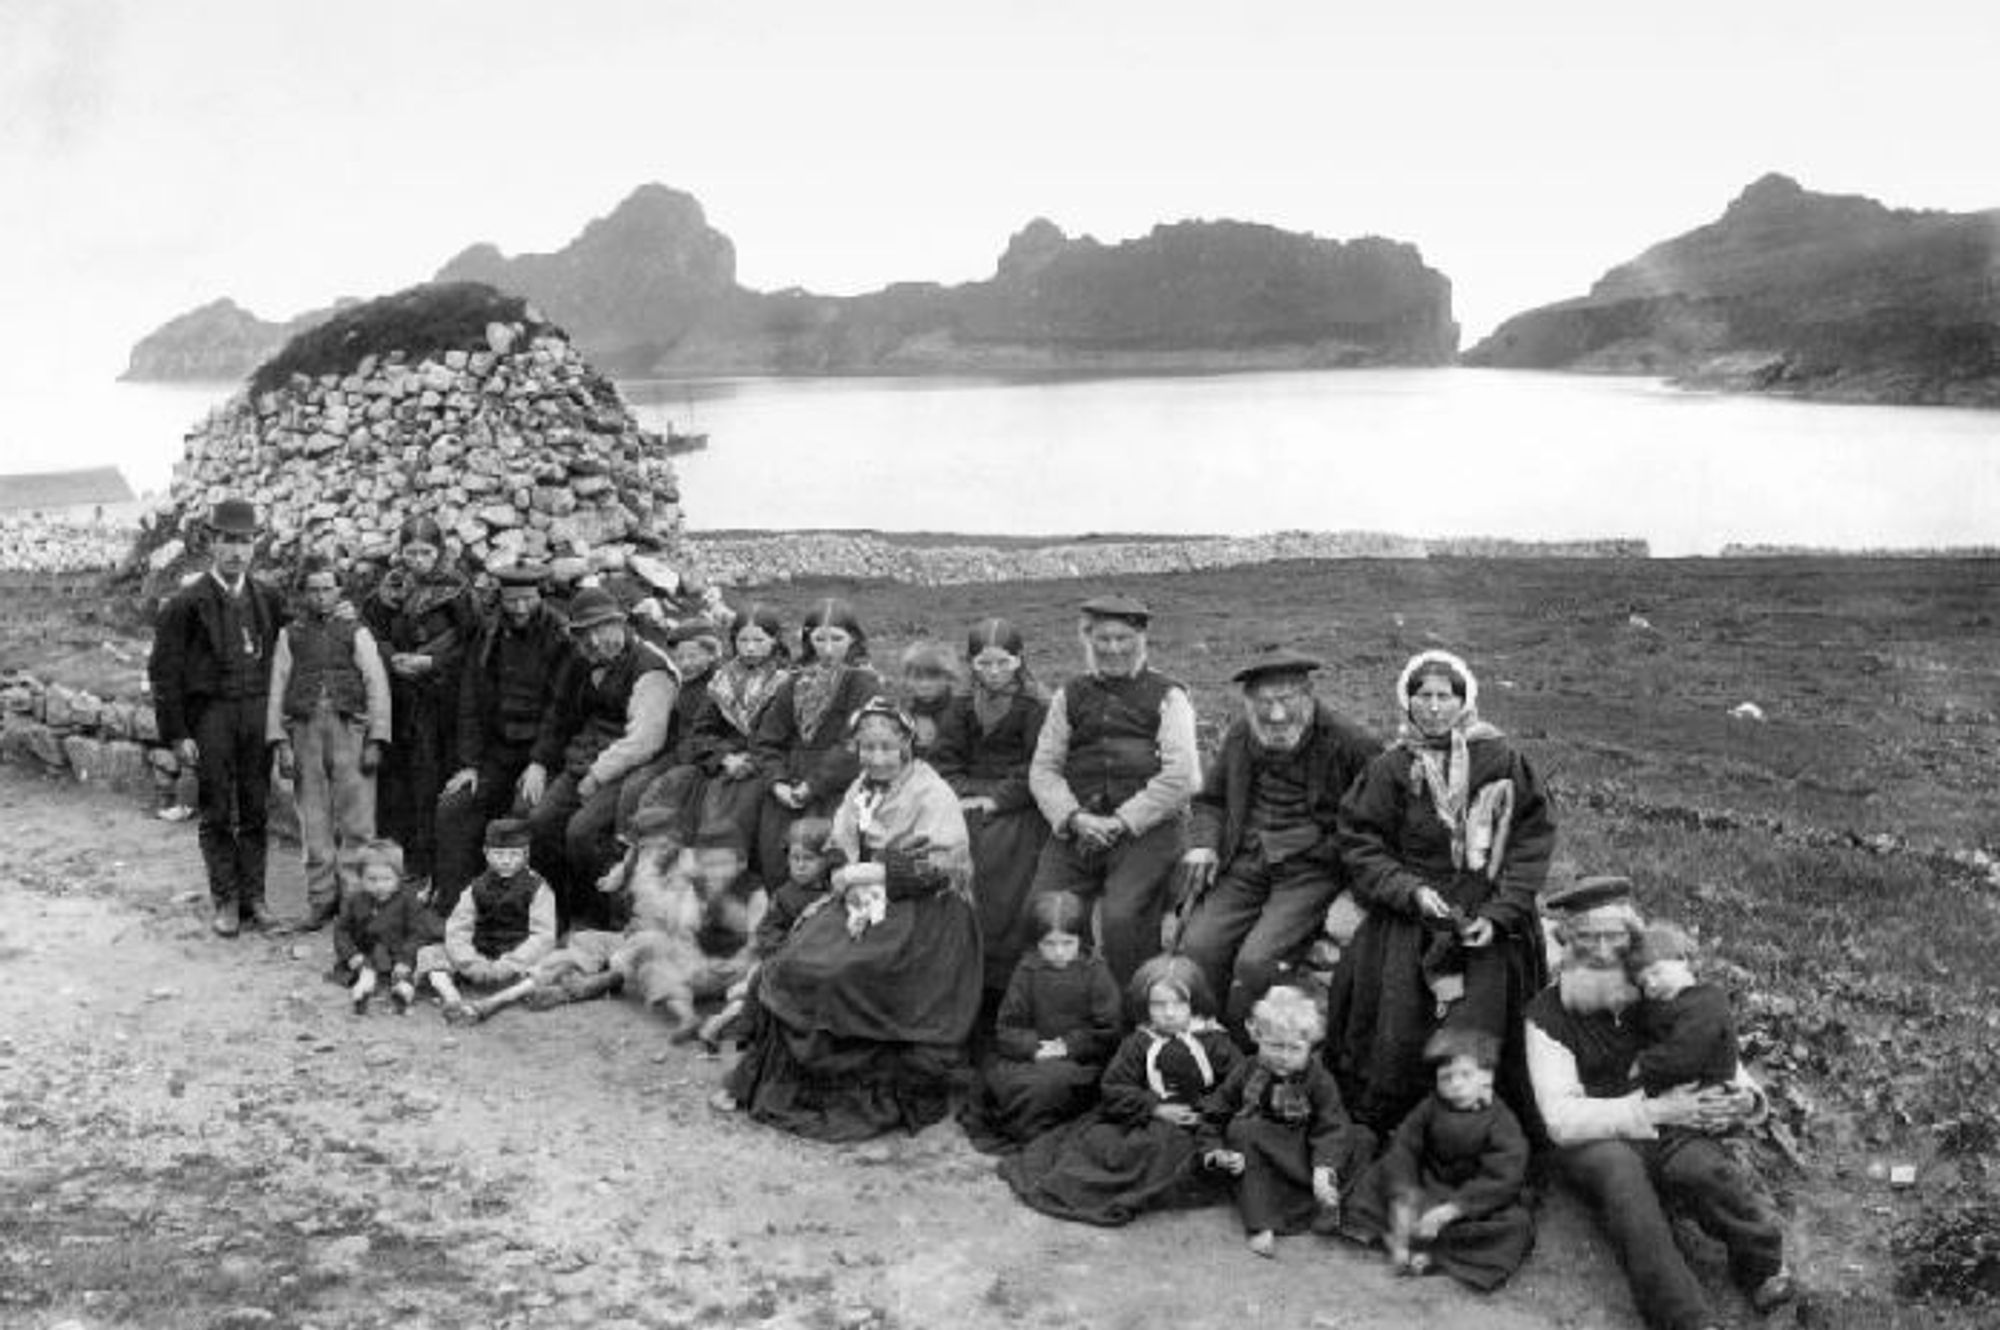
(1587, 990)
(1280, 738)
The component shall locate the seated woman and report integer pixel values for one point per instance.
(984, 743)
(863, 1012)
(1446, 838)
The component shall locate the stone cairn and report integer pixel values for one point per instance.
(515, 445)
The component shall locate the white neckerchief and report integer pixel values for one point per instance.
(1159, 1042)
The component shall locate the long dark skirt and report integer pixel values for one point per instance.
(1380, 1013)
(413, 774)
(1096, 1171)
(1483, 1253)
(856, 1037)
(1005, 848)
(1018, 1101)
(1275, 1191)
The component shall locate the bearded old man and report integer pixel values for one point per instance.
(1262, 867)
(1630, 1154)
(1112, 772)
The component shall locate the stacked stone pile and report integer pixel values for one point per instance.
(515, 445)
(68, 730)
(50, 545)
(761, 559)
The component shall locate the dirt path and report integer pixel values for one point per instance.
(198, 1133)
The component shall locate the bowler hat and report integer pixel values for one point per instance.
(233, 517)
(1127, 608)
(1277, 661)
(1587, 893)
(592, 606)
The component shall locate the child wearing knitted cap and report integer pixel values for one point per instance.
(1278, 1126)
(503, 924)
(1688, 1029)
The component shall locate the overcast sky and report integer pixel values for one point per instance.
(159, 153)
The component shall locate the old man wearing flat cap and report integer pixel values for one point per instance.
(1637, 1157)
(210, 674)
(1261, 869)
(1112, 772)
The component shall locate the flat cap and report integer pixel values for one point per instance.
(1127, 608)
(522, 574)
(1276, 661)
(690, 630)
(507, 833)
(1587, 893)
(592, 606)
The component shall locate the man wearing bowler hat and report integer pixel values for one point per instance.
(1112, 773)
(210, 672)
(1261, 868)
(611, 709)
(505, 691)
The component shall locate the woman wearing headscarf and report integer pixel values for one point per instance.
(800, 748)
(985, 739)
(424, 617)
(863, 1012)
(1446, 838)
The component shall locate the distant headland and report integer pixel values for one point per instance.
(1830, 296)
(651, 290)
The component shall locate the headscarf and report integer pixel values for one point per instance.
(1442, 765)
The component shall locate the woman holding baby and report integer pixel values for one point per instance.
(865, 1008)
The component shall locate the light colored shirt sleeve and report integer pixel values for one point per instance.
(1166, 795)
(1045, 769)
(375, 682)
(458, 931)
(646, 716)
(541, 939)
(281, 679)
(1571, 1115)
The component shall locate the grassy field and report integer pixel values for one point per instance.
(1825, 852)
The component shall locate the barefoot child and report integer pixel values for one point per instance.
(1139, 1149)
(380, 929)
(1446, 1193)
(1057, 1025)
(1278, 1126)
(504, 922)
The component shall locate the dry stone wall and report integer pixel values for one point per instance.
(519, 450)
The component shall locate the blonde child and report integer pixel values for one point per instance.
(380, 929)
(1278, 1126)
(1057, 1026)
(1139, 1149)
(1446, 1193)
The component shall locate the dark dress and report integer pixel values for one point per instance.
(1380, 1011)
(1118, 1161)
(1475, 1159)
(1020, 1097)
(853, 1037)
(992, 761)
(1285, 1127)
(792, 743)
(722, 722)
(433, 616)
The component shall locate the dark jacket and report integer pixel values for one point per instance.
(187, 669)
(589, 715)
(387, 932)
(990, 763)
(508, 685)
(1336, 752)
(821, 758)
(1078, 1004)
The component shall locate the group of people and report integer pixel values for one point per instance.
(1314, 976)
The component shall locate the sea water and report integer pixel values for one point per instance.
(1444, 452)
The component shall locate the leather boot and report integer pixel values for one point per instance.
(227, 922)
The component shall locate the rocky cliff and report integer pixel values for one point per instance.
(217, 342)
(651, 289)
(1790, 291)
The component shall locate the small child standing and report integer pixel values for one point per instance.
(1688, 1029)
(504, 922)
(1446, 1193)
(380, 929)
(1056, 1027)
(1139, 1150)
(1279, 1127)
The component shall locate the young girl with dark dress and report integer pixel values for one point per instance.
(800, 748)
(1140, 1149)
(985, 741)
(1057, 1026)
(860, 1025)
(729, 795)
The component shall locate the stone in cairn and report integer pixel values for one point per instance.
(515, 446)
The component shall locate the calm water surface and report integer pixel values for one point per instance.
(1418, 452)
